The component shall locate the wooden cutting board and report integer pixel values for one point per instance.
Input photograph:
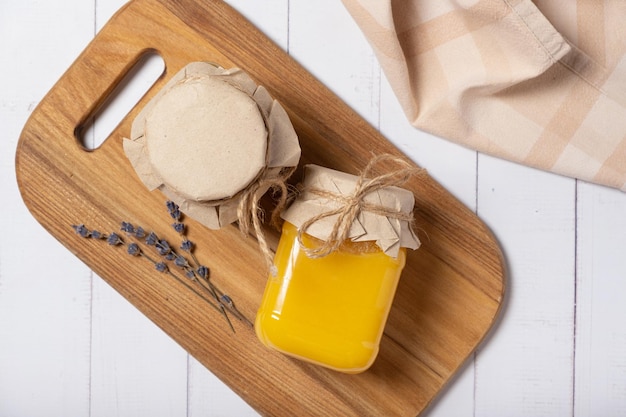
(452, 287)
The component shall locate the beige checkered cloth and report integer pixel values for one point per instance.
(538, 82)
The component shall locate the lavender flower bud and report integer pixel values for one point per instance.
(186, 245)
(163, 247)
(114, 239)
(179, 227)
(82, 230)
(175, 214)
(127, 227)
(227, 300)
(173, 209)
(133, 249)
(171, 206)
(152, 239)
(161, 266)
(203, 271)
(139, 232)
(181, 262)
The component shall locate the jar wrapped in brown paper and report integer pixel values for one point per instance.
(214, 142)
(210, 139)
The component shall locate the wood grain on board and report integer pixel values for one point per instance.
(451, 289)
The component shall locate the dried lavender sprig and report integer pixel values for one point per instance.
(183, 263)
(174, 210)
(188, 246)
(131, 230)
(164, 249)
(211, 289)
(198, 273)
(83, 231)
(181, 229)
(203, 273)
(133, 249)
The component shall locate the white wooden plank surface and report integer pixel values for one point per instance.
(44, 306)
(528, 361)
(69, 345)
(600, 336)
(324, 39)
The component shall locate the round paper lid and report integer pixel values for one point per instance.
(206, 139)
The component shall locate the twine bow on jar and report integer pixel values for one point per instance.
(352, 205)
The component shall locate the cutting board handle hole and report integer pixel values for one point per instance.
(133, 86)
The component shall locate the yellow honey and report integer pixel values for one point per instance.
(329, 311)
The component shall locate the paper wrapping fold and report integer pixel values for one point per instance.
(389, 233)
(209, 135)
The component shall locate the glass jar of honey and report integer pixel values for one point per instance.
(329, 307)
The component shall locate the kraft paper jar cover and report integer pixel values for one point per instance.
(206, 137)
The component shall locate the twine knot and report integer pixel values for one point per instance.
(250, 215)
(350, 206)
